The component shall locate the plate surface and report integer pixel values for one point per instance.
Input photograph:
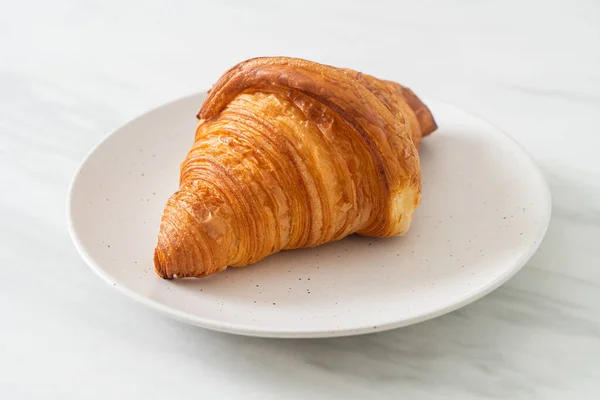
(485, 208)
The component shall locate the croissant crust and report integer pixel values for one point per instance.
(290, 153)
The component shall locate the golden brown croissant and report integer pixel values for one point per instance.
(288, 154)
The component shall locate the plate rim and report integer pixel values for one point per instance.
(250, 330)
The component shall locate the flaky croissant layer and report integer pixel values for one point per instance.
(289, 154)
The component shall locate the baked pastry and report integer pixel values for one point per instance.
(288, 154)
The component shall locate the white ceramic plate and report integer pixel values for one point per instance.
(484, 211)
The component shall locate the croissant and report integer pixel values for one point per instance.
(288, 154)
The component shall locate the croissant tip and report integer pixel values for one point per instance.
(159, 267)
(432, 127)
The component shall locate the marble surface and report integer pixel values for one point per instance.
(70, 72)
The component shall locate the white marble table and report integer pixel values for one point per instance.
(71, 72)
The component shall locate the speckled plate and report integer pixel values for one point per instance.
(484, 211)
